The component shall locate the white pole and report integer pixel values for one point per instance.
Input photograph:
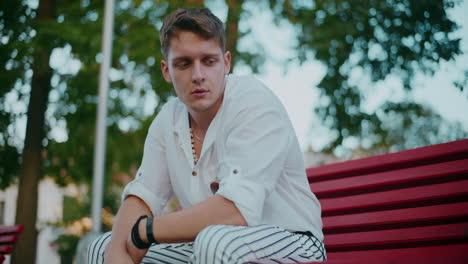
(101, 129)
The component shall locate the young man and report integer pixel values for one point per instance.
(226, 148)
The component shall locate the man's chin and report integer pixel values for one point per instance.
(201, 109)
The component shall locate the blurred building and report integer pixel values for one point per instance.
(49, 211)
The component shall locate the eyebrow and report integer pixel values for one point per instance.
(203, 55)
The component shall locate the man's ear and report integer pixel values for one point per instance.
(227, 62)
(165, 71)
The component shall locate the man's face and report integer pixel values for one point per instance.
(197, 68)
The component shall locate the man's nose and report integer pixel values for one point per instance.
(197, 73)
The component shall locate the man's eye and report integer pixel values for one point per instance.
(210, 61)
(182, 64)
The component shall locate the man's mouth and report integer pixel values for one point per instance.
(199, 92)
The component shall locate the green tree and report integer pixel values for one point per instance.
(419, 126)
(21, 34)
(382, 38)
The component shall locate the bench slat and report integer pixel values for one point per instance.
(8, 239)
(388, 179)
(403, 159)
(16, 229)
(396, 237)
(446, 254)
(6, 249)
(401, 217)
(394, 198)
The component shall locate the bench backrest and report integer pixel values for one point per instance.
(404, 207)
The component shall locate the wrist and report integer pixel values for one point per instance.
(135, 234)
(142, 232)
(142, 229)
(149, 231)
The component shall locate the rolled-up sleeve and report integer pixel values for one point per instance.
(152, 184)
(255, 151)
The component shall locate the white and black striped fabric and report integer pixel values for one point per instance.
(229, 244)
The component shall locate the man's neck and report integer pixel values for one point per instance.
(203, 120)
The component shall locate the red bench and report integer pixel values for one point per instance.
(404, 207)
(8, 237)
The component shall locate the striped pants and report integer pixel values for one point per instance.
(229, 244)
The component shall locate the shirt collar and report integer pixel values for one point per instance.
(181, 119)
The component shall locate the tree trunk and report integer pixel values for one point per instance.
(232, 28)
(26, 210)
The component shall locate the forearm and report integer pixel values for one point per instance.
(128, 213)
(184, 225)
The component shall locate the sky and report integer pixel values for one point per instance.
(297, 90)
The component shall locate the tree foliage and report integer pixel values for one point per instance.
(381, 38)
(14, 36)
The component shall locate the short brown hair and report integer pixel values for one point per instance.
(197, 20)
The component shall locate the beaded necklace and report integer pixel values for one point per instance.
(195, 157)
(214, 186)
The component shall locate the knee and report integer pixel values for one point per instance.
(96, 248)
(215, 244)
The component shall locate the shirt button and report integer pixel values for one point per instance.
(214, 186)
(235, 171)
(194, 173)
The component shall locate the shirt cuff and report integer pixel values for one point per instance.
(139, 190)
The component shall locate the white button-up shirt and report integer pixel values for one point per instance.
(250, 148)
